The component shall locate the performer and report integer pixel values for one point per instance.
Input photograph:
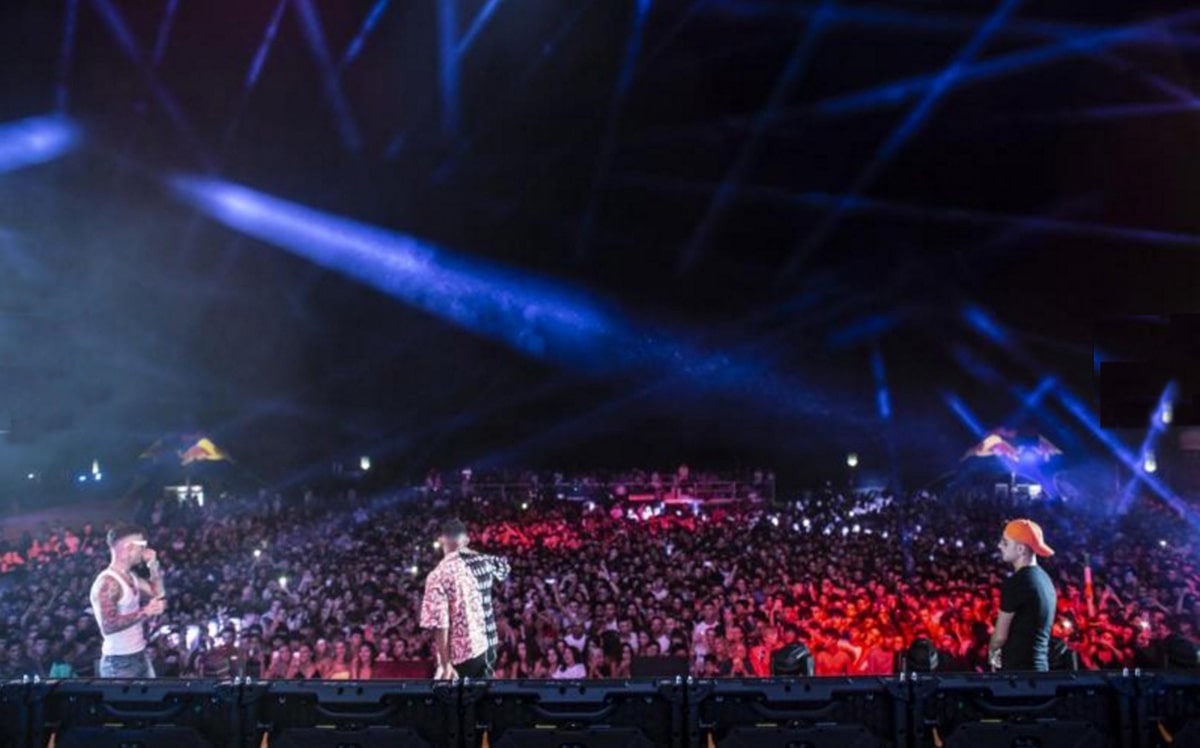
(1021, 640)
(458, 606)
(116, 597)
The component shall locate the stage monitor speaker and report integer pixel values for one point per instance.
(659, 667)
(810, 712)
(141, 713)
(1036, 709)
(1168, 710)
(584, 713)
(357, 714)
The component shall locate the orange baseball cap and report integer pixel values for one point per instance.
(1030, 533)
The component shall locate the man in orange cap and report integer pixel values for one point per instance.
(1021, 639)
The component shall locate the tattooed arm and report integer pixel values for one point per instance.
(111, 620)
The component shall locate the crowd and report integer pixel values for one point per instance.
(331, 588)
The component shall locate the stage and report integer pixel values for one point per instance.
(1126, 709)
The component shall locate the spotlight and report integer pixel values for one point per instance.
(257, 553)
(921, 657)
(1167, 414)
(1150, 462)
(792, 660)
(97, 476)
(364, 463)
(852, 460)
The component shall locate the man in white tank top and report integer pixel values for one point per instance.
(117, 601)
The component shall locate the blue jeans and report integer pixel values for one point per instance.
(136, 665)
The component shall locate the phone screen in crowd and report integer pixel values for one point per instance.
(192, 636)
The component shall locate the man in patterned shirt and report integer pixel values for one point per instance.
(458, 606)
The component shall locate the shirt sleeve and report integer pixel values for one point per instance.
(435, 606)
(500, 568)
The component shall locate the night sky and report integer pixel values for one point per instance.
(818, 202)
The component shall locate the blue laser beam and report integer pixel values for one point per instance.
(358, 43)
(314, 33)
(942, 84)
(164, 32)
(896, 92)
(123, 35)
(66, 52)
(964, 414)
(448, 61)
(481, 19)
(609, 143)
(793, 68)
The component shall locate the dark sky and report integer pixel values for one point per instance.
(1049, 187)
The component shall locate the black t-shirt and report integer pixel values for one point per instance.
(1029, 595)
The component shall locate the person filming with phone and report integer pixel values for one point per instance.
(117, 601)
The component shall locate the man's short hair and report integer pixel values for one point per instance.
(453, 528)
(122, 530)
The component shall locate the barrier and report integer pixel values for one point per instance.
(587, 714)
(1034, 709)
(1152, 710)
(1168, 710)
(816, 712)
(365, 714)
(144, 713)
(14, 715)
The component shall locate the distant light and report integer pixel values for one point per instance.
(97, 476)
(82, 478)
(958, 544)
(775, 521)
(364, 463)
(34, 141)
(1150, 462)
(795, 527)
(884, 534)
(856, 529)
(257, 553)
(283, 581)
(32, 476)
(414, 570)
(1035, 491)
(845, 531)
(807, 523)
(1162, 544)
(524, 505)
(1167, 414)
(852, 460)
(436, 545)
(95, 467)
(590, 505)
(1066, 624)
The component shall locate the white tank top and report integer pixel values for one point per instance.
(132, 640)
